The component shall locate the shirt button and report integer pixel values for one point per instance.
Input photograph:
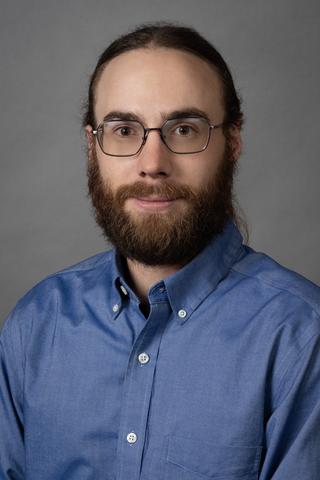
(143, 358)
(132, 437)
(182, 313)
(115, 308)
(123, 290)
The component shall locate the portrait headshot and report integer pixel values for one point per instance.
(160, 317)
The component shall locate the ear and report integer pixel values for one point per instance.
(90, 139)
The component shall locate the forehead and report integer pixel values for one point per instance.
(153, 81)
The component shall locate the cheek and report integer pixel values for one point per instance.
(202, 170)
(212, 161)
(110, 170)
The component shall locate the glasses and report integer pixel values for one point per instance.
(125, 138)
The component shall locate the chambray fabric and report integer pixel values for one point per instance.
(229, 387)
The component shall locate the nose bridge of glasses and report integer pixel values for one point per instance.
(148, 130)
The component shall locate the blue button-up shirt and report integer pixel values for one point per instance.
(221, 381)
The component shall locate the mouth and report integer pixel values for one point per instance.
(154, 202)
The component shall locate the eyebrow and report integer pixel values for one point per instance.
(181, 113)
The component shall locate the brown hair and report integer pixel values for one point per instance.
(169, 35)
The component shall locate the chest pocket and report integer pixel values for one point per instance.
(189, 459)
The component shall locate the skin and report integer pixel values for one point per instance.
(152, 83)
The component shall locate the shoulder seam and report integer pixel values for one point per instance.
(278, 287)
(74, 269)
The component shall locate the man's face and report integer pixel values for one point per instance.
(159, 207)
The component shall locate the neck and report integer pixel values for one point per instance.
(142, 277)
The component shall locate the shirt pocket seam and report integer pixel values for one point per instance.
(217, 476)
(251, 468)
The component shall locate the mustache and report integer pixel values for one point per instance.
(168, 191)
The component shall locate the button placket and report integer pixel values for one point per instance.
(137, 393)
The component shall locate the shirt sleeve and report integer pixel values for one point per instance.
(293, 428)
(12, 455)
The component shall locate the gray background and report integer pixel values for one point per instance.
(48, 50)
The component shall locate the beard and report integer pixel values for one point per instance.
(170, 238)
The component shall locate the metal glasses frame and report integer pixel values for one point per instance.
(160, 130)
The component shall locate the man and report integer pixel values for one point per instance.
(182, 353)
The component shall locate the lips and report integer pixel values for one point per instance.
(155, 199)
(153, 202)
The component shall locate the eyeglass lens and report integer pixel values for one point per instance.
(125, 137)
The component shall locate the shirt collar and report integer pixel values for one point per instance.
(190, 285)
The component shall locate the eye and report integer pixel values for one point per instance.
(124, 131)
(184, 130)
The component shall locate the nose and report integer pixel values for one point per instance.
(155, 159)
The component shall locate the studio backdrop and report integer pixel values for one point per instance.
(48, 50)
